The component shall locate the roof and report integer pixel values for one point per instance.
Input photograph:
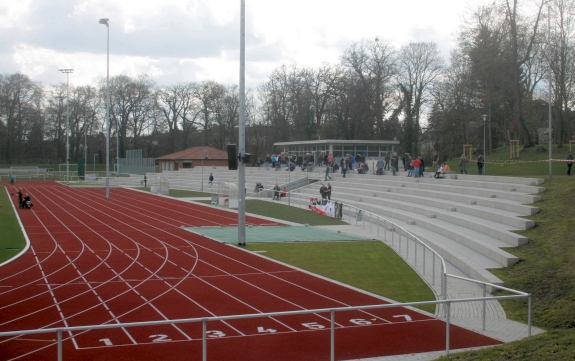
(338, 141)
(196, 153)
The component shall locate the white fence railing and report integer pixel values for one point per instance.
(447, 303)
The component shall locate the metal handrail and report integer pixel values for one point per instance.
(332, 311)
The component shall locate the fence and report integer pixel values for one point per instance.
(331, 311)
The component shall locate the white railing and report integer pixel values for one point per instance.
(426, 262)
(204, 320)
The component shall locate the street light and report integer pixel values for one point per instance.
(106, 21)
(67, 72)
(203, 158)
(484, 123)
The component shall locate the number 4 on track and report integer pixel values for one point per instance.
(262, 330)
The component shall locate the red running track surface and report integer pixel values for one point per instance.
(126, 259)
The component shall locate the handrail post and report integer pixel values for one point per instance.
(433, 268)
(484, 312)
(332, 344)
(204, 340)
(529, 314)
(447, 328)
(59, 345)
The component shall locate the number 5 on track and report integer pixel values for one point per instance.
(262, 330)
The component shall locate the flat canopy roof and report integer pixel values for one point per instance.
(338, 141)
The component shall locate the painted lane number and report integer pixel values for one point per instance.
(262, 330)
(106, 341)
(407, 317)
(160, 338)
(360, 321)
(313, 325)
(215, 334)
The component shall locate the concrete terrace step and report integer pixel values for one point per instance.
(482, 244)
(377, 193)
(457, 188)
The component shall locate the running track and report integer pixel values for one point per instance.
(98, 261)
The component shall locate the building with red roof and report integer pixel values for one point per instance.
(192, 157)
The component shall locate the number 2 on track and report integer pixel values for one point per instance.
(160, 338)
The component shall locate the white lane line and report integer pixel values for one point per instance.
(133, 207)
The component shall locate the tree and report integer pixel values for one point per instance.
(420, 65)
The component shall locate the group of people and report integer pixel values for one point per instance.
(278, 194)
(24, 200)
(325, 191)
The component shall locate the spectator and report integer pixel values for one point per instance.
(145, 181)
(322, 191)
(480, 163)
(394, 163)
(416, 164)
(379, 166)
(438, 173)
(446, 169)
(569, 162)
(210, 179)
(387, 159)
(284, 193)
(327, 171)
(328, 191)
(12, 179)
(463, 163)
(276, 192)
(435, 162)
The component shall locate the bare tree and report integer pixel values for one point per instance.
(420, 65)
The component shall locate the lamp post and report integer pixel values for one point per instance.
(67, 72)
(203, 158)
(106, 21)
(484, 123)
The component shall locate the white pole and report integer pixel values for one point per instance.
(242, 129)
(106, 22)
(67, 72)
(550, 114)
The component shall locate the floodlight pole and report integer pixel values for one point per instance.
(484, 124)
(242, 129)
(106, 21)
(550, 99)
(67, 72)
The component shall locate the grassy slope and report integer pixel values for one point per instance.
(546, 265)
(12, 241)
(369, 265)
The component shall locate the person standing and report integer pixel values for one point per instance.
(20, 197)
(145, 181)
(569, 162)
(394, 162)
(435, 164)
(462, 164)
(380, 165)
(328, 165)
(328, 191)
(322, 191)
(416, 164)
(12, 179)
(480, 162)
(344, 168)
(421, 166)
(276, 192)
(210, 179)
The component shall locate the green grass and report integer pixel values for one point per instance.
(369, 265)
(12, 241)
(532, 162)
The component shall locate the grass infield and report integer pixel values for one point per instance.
(368, 265)
(12, 238)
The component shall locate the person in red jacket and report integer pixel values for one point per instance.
(416, 164)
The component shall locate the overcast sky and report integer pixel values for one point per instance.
(193, 40)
